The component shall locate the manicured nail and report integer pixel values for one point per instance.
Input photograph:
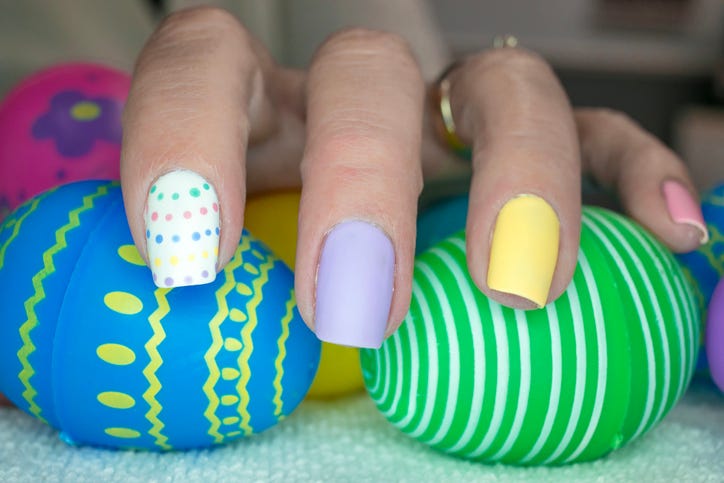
(524, 249)
(182, 229)
(684, 209)
(354, 285)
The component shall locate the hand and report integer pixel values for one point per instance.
(211, 117)
(529, 148)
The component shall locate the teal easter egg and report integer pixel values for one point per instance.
(570, 382)
(91, 346)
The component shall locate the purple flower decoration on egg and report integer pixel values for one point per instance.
(75, 122)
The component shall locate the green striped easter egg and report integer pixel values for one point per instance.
(569, 382)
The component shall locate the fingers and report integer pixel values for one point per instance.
(198, 87)
(524, 213)
(361, 179)
(653, 184)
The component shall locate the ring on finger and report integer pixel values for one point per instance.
(443, 107)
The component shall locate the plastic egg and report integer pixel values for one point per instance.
(704, 266)
(58, 125)
(272, 218)
(715, 335)
(91, 346)
(569, 382)
(440, 220)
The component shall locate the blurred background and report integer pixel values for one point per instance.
(660, 61)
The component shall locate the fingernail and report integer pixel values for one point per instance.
(524, 249)
(182, 229)
(354, 285)
(684, 209)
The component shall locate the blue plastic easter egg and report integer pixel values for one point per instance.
(705, 266)
(440, 220)
(91, 346)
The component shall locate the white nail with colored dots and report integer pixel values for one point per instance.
(182, 229)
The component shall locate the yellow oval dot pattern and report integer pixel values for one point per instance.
(251, 269)
(125, 433)
(229, 373)
(116, 400)
(232, 344)
(116, 354)
(130, 254)
(230, 420)
(237, 315)
(123, 303)
(113, 352)
(85, 111)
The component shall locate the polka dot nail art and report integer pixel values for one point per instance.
(182, 229)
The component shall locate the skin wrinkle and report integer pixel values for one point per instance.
(365, 43)
(635, 165)
(524, 142)
(527, 129)
(364, 113)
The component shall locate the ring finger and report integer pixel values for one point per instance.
(524, 213)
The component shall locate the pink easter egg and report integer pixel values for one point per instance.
(58, 125)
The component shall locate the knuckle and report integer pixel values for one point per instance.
(362, 38)
(198, 17)
(612, 117)
(194, 33)
(360, 43)
(354, 155)
(507, 61)
(188, 40)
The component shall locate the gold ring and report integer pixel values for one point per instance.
(441, 100)
(507, 40)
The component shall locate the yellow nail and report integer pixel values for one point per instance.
(524, 250)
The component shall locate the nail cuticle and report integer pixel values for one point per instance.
(524, 248)
(354, 284)
(683, 208)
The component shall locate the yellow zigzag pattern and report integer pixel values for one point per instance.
(248, 346)
(708, 249)
(16, 229)
(279, 362)
(717, 200)
(154, 385)
(48, 269)
(218, 342)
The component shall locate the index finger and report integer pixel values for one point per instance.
(186, 127)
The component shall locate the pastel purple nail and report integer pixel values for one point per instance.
(355, 281)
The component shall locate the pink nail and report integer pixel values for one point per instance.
(683, 208)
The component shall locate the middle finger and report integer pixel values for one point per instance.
(361, 179)
(524, 215)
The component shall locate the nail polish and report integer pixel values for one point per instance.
(683, 208)
(355, 280)
(182, 229)
(524, 249)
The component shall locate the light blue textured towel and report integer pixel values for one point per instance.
(348, 440)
